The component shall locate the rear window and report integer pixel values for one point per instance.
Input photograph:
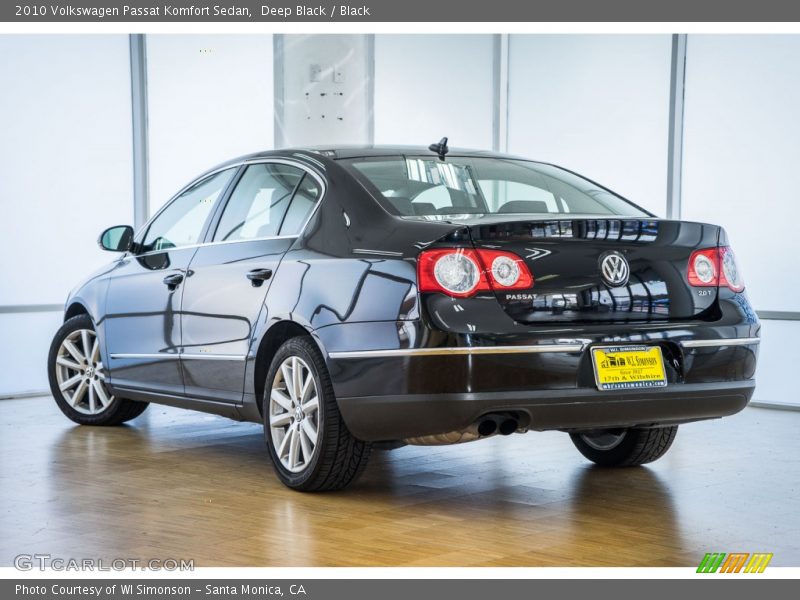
(424, 186)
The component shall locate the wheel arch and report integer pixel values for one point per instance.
(75, 309)
(274, 338)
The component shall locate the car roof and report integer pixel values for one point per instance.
(369, 150)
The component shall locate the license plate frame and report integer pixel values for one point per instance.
(632, 377)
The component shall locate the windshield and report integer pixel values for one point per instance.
(424, 186)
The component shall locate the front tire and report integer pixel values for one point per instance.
(78, 378)
(311, 447)
(625, 447)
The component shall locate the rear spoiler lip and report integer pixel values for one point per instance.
(476, 219)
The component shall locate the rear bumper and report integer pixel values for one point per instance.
(393, 417)
(405, 379)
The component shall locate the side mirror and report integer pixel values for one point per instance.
(116, 239)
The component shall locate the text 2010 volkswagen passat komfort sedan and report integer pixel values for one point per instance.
(350, 296)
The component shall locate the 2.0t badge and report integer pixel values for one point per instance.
(614, 268)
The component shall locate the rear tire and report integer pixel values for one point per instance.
(625, 447)
(77, 377)
(311, 447)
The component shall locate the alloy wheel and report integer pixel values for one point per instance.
(294, 417)
(80, 373)
(604, 440)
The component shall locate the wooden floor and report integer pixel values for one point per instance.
(180, 484)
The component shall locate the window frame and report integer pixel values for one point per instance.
(301, 229)
(212, 222)
(220, 213)
(142, 233)
(223, 203)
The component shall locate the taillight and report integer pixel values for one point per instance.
(506, 270)
(704, 268)
(712, 267)
(462, 272)
(454, 271)
(731, 275)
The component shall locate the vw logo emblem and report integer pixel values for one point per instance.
(615, 269)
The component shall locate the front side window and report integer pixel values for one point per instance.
(425, 186)
(181, 222)
(259, 203)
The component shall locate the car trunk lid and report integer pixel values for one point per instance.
(601, 269)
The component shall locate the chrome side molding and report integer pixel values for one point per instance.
(532, 349)
(452, 351)
(182, 355)
(163, 355)
(720, 342)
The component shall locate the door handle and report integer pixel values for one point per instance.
(173, 281)
(259, 276)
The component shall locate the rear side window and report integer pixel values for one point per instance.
(425, 186)
(305, 198)
(259, 202)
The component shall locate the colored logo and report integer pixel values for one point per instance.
(737, 562)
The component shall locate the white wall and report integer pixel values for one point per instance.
(777, 363)
(331, 106)
(24, 355)
(65, 164)
(741, 159)
(210, 99)
(595, 104)
(427, 87)
(65, 159)
(742, 155)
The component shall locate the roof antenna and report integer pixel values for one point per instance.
(441, 148)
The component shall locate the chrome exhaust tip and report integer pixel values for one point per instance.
(486, 426)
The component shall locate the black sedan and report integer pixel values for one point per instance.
(348, 297)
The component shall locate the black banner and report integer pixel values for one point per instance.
(278, 11)
(393, 589)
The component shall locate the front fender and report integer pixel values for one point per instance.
(90, 297)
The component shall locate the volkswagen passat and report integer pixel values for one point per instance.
(352, 296)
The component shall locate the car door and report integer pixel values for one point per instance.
(143, 334)
(230, 275)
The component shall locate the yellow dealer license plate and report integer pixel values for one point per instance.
(628, 367)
